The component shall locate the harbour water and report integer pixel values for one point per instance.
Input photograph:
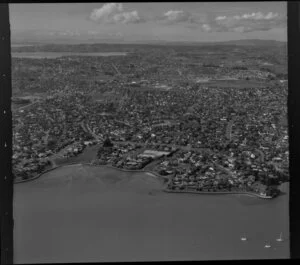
(90, 214)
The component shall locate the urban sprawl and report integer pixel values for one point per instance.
(206, 118)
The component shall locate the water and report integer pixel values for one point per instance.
(90, 214)
(53, 55)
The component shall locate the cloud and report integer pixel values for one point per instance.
(112, 13)
(256, 21)
(177, 16)
(106, 12)
(206, 27)
(128, 17)
(221, 18)
(257, 16)
(247, 22)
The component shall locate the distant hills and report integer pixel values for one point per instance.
(245, 42)
(255, 42)
(249, 42)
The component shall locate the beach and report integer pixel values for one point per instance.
(81, 213)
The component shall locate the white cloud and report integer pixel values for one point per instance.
(247, 22)
(127, 17)
(113, 13)
(221, 18)
(176, 16)
(256, 16)
(206, 27)
(255, 21)
(271, 15)
(106, 12)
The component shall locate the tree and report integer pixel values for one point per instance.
(271, 77)
(88, 137)
(51, 143)
(107, 143)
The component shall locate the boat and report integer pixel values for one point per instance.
(280, 238)
(265, 196)
(244, 238)
(267, 245)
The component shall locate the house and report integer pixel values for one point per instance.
(259, 187)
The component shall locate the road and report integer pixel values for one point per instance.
(229, 128)
(116, 69)
(25, 107)
(86, 128)
(185, 148)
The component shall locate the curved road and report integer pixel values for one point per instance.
(86, 128)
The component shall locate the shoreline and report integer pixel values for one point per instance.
(217, 193)
(154, 175)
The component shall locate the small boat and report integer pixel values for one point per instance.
(280, 238)
(267, 245)
(244, 238)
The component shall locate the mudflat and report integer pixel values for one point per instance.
(91, 214)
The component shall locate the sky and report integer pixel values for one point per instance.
(134, 22)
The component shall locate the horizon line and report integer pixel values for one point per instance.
(77, 42)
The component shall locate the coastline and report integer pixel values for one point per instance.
(154, 175)
(87, 164)
(218, 193)
(48, 170)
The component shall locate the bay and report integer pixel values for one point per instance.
(81, 213)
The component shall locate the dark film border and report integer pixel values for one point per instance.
(6, 179)
(293, 121)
